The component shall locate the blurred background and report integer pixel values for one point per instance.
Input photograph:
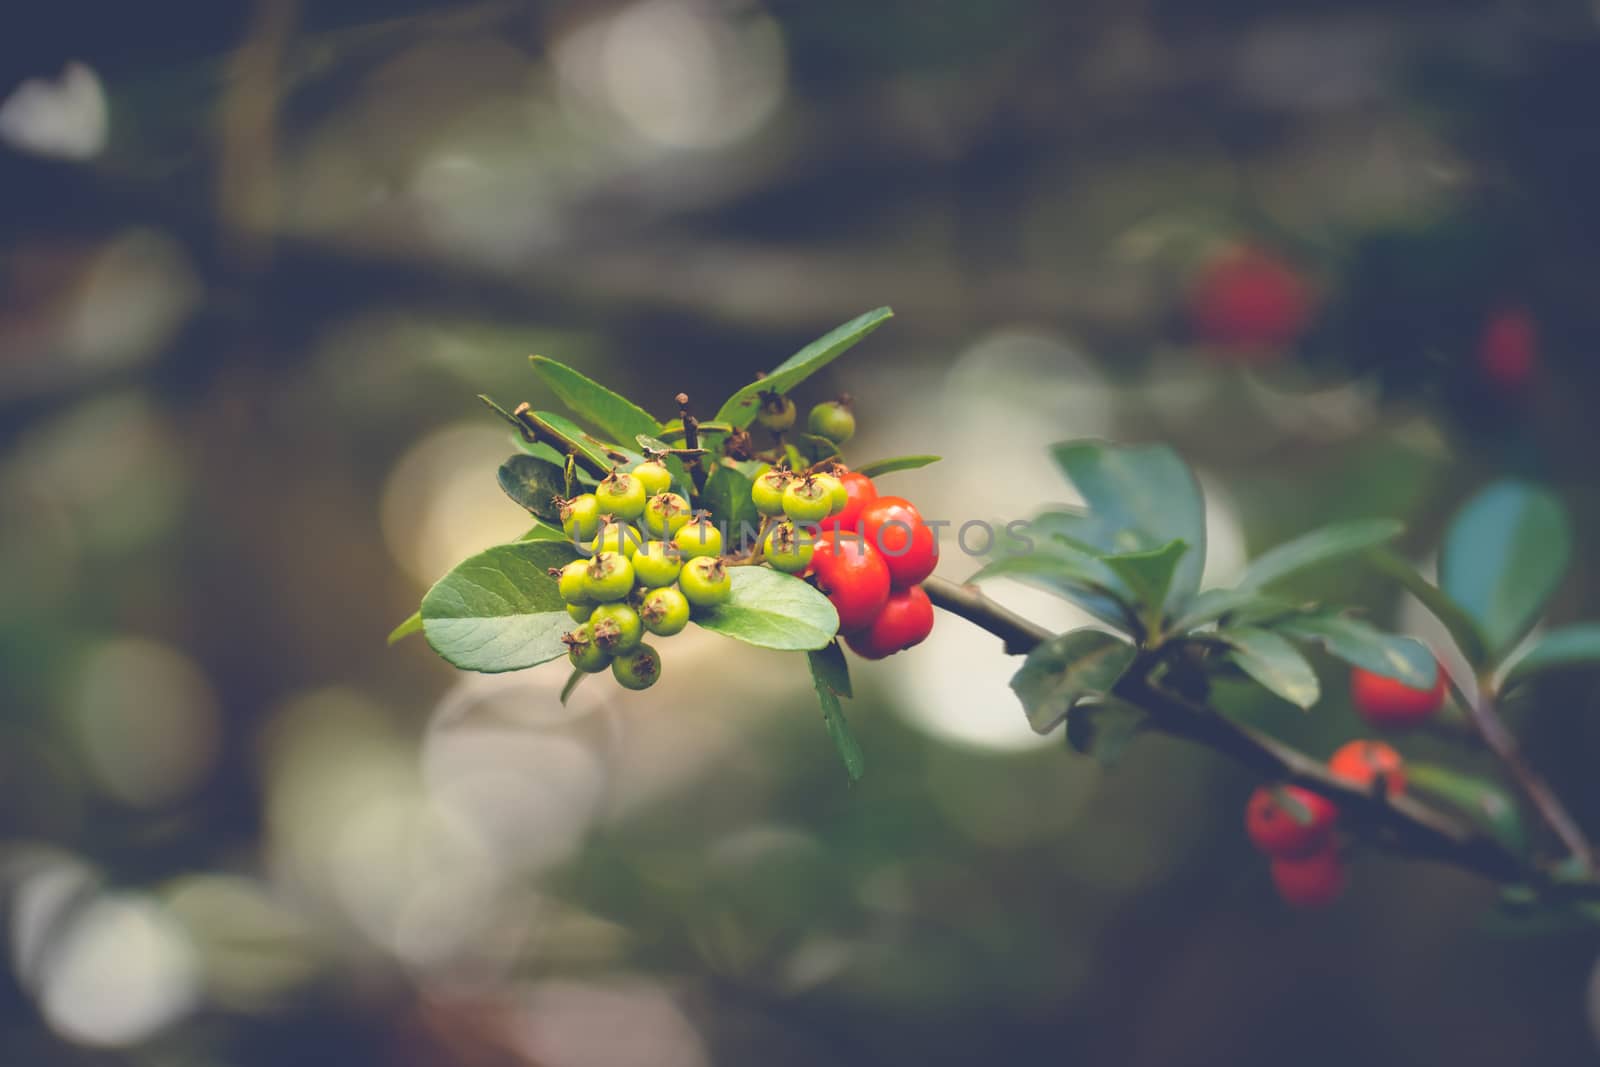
(257, 258)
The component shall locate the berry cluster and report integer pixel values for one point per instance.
(651, 564)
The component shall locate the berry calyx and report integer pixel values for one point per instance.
(906, 620)
(616, 628)
(609, 577)
(833, 420)
(895, 528)
(699, 538)
(654, 476)
(664, 611)
(1277, 829)
(705, 582)
(1250, 303)
(656, 564)
(584, 653)
(808, 499)
(580, 516)
(1509, 348)
(1313, 881)
(1363, 761)
(766, 492)
(620, 495)
(619, 537)
(665, 514)
(777, 412)
(572, 582)
(788, 548)
(859, 492)
(1392, 705)
(638, 669)
(854, 577)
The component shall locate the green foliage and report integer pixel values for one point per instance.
(1404, 659)
(1104, 728)
(831, 677)
(741, 408)
(499, 610)
(534, 484)
(727, 497)
(773, 610)
(412, 625)
(619, 418)
(1271, 660)
(1066, 669)
(1477, 798)
(1148, 576)
(899, 463)
(1564, 648)
(1463, 630)
(1339, 541)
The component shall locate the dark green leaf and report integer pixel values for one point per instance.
(823, 675)
(572, 683)
(1082, 579)
(617, 417)
(1404, 659)
(1463, 630)
(1482, 800)
(817, 448)
(499, 610)
(727, 497)
(773, 610)
(1213, 604)
(1559, 649)
(412, 625)
(538, 450)
(1504, 554)
(741, 408)
(1104, 728)
(535, 485)
(568, 436)
(1146, 492)
(829, 665)
(1065, 669)
(1148, 575)
(899, 463)
(1274, 662)
(1318, 547)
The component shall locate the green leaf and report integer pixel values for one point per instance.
(570, 437)
(535, 485)
(824, 675)
(499, 610)
(1274, 662)
(1318, 547)
(1213, 604)
(899, 463)
(1104, 728)
(572, 684)
(741, 408)
(1485, 802)
(1146, 491)
(1148, 575)
(727, 497)
(1504, 554)
(829, 663)
(1355, 641)
(1080, 578)
(412, 625)
(616, 416)
(543, 531)
(539, 450)
(1559, 649)
(1067, 668)
(773, 610)
(1463, 630)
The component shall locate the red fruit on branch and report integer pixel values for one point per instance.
(1281, 832)
(906, 620)
(1391, 704)
(854, 576)
(1361, 762)
(1313, 881)
(1250, 303)
(1508, 350)
(859, 492)
(893, 526)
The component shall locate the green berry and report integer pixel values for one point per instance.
(584, 653)
(609, 577)
(616, 628)
(656, 564)
(808, 499)
(766, 492)
(664, 611)
(777, 412)
(833, 420)
(572, 582)
(699, 538)
(581, 612)
(620, 495)
(841, 495)
(787, 548)
(705, 582)
(617, 537)
(654, 476)
(639, 669)
(665, 514)
(580, 517)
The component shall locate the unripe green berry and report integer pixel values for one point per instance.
(617, 537)
(834, 420)
(705, 582)
(654, 476)
(620, 495)
(664, 611)
(609, 577)
(777, 412)
(665, 514)
(808, 499)
(699, 538)
(580, 517)
(572, 582)
(616, 628)
(766, 492)
(581, 612)
(656, 564)
(583, 653)
(639, 669)
(788, 548)
(837, 496)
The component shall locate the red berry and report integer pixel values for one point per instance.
(1509, 347)
(1313, 881)
(855, 577)
(893, 526)
(1362, 761)
(1275, 830)
(906, 620)
(1249, 302)
(1390, 704)
(860, 492)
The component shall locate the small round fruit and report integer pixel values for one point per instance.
(584, 653)
(837, 497)
(1250, 304)
(705, 582)
(766, 492)
(808, 499)
(1279, 831)
(906, 620)
(1509, 348)
(854, 576)
(654, 476)
(619, 537)
(895, 528)
(788, 548)
(1312, 881)
(665, 514)
(777, 412)
(1362, 762)
(638, 669)
(572, 582)
(609, 577)
(616, 628)
(859, 492)
(656, 564)
(834, 420)
(580, 517)
(581, 612)
(699, 538)
(1393, 705)
(620, 495)
(664, 611)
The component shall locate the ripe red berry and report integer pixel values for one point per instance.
(1313, 881)
(1509, 347)
(854, 576)
(1275, 829)
(1390, 704)
(1250, 303)
(893, 526)
(859, 492)
(906, 620)
(1363, 761)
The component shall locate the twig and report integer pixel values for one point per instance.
(691, 442)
